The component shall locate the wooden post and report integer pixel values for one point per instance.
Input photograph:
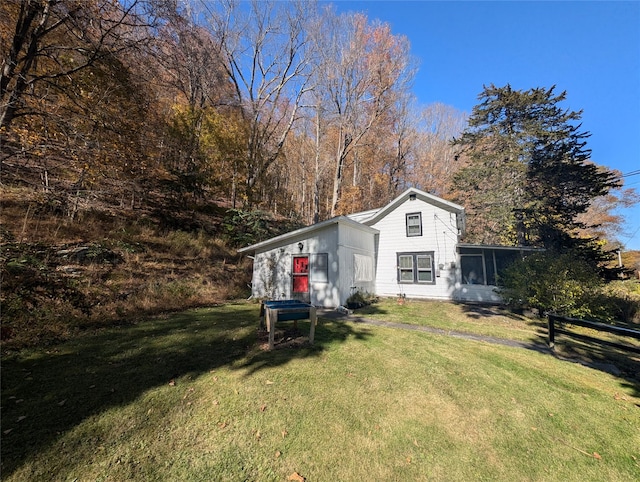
(551, 330)
(272, 316)
(313, 318)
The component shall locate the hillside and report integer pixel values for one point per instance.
(74, 261)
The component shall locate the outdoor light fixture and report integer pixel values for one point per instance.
(300, 246)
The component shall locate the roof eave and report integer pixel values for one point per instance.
(306, 230)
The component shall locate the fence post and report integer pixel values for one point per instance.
(551, 330)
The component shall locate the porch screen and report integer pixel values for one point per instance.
(485, 266)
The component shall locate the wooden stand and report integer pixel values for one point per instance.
(281, 311)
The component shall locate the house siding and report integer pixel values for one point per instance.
(362, 255)
(352, 242)
(272, 268)
(439, 235)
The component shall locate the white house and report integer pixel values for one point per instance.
(410, 247)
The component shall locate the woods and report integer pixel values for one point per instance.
(198, 116)
(290, 108)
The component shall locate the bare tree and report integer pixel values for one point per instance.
(361, 69)
(54, 39)
(263, 47)
(436, 163)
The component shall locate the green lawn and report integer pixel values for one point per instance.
(195, 396)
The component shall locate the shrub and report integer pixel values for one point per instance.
(360, 299)
(622, 300)
(562, 283)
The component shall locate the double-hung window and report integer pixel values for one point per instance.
(416, 267)
(414, 224)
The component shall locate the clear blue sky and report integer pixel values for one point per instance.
(590, 49)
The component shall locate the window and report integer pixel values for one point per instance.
(414, 224)
(416, 268)
(363, 268)
(405, 268)
(320, 267)
(425, 271)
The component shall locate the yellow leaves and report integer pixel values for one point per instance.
(296, 477)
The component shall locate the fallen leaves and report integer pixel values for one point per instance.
(296, 477)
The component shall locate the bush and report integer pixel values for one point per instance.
(622, 300)
(562, 283)
(360, 299)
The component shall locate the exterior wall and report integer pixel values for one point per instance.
(272, 268)
(439, 234)
(362, 255)
(476, 293)
(355, 243)
(342, 242)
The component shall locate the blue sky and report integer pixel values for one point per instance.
(590, 49)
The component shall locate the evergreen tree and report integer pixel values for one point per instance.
(529, 173)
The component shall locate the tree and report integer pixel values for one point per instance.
(49, 40)
(529, 171)
(435, 158)
(69, 93)
(361, 71)
(264, 56)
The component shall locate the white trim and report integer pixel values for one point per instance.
(428, 198)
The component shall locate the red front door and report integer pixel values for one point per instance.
(300, 274)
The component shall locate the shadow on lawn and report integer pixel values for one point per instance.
(591, 353)
(46, 393)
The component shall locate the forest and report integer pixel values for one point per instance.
(290, 108)
(191, 115)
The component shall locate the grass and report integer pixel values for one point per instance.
(466, 318)
(194, 396)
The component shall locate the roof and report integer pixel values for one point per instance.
(373, 216)
(284, 238)
(498, 246)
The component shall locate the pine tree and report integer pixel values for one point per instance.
(529, 173)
